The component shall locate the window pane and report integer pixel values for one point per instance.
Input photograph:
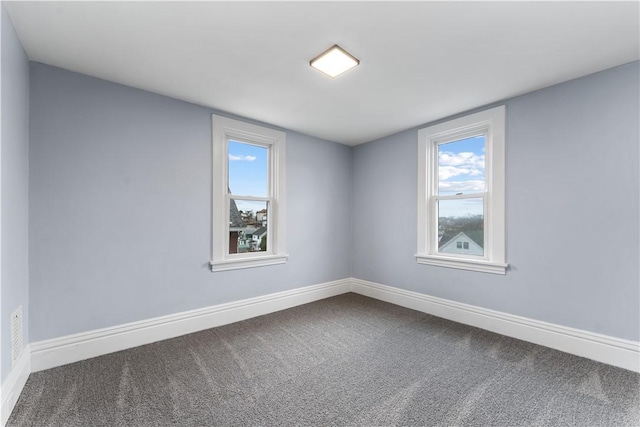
(461, 166)
(461, 226)
(247, 226)
(248, 173)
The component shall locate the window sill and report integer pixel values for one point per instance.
(247, 262)
(462, 264)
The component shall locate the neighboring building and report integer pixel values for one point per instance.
(261, 217)
(245, 240)
(463, 244)
(257, 237)
(236, 227)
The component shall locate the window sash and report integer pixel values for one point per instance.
(433, 213)
(433, 197)
(260, 142)
(270, 246)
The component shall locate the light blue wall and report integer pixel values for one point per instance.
(14, 149)
(121, 208)
(572, 210)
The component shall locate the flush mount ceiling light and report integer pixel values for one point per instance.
(334, 61)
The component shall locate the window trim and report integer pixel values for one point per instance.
(224, 129)
(491, 123)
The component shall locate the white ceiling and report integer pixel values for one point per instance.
(420, 61)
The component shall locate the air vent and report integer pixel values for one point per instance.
(16, 335)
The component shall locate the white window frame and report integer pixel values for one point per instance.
(491, 123)
(223, 130)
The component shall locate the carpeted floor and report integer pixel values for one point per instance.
(347, 360)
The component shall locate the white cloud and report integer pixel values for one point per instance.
(461, 165)
(246, 158)
(446, 172)
(466, 159)
(470, 186)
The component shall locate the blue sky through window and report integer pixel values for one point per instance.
(461, 170)
(248, 173)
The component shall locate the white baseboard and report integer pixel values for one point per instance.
(13, 385)
(602, 348)
(73, 348)
(60, 351)
(68, 349)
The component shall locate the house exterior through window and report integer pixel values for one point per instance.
(248, 195)
(461, 186)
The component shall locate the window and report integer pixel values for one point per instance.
(248, 195)
(461, 186)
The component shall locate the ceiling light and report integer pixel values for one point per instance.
(334, 61)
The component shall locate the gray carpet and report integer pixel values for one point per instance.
(347, 360)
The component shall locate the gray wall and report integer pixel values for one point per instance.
(14, 146)
(572, 210)
(120, 197)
